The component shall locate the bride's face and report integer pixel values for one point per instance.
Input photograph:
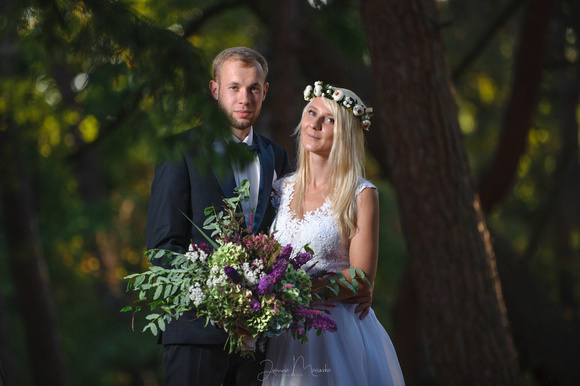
(317, 131)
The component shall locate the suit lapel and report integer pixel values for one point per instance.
(226, 181)
(266, 156)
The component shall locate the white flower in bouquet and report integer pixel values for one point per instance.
(196, 294)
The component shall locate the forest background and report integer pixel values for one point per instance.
(474, 148)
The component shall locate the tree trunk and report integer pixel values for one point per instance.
(548, 343)
(450, 254)
(27, 264)
(6, 361)
(283, 116)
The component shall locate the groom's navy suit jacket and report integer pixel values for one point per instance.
(179, 188)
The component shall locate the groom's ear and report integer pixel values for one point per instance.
(214, 88)
(265, 90)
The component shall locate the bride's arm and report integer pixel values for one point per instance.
(363, 252)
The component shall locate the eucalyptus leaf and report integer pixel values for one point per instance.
(362, 275)
(140, 279)
(153, 329)
(158, 292)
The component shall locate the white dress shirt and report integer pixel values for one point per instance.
(250, 172)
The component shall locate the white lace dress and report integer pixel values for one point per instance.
(360, 352)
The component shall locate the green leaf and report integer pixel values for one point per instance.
(127, 308)
(153, 329)
(168, 291)
(158, 292)
(161, 324)
(152, 316)
(345, 282)
(362, 274)
(139, 280)
(334, 288)
(151, 326)
(211, 242)
(354, 286)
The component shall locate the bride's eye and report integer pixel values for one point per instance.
(330, 120)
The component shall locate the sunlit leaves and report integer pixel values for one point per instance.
(89, 128)
(466, 117)
(487, 88)
(571, 51)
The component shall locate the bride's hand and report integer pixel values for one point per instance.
(363, 301)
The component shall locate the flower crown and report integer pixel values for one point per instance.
(345, 101)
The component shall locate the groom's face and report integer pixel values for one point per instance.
(240, 89)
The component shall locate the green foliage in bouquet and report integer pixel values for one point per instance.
(248, 285)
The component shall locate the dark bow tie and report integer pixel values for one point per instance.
(254, 147)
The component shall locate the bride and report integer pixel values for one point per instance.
(330, 206)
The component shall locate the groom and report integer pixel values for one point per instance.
(194, 354)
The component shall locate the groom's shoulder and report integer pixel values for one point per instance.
(269, 142)
(177, 146)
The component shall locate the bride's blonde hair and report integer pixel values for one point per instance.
(347, 158)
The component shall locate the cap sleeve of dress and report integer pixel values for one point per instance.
(364, 184)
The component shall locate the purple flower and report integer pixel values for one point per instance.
(266, 285)
(205, 247)
(256, 305)
(323, 321)
(316, 319)
(279, 269)
(232, 274)
(301, 259)
(286, 252)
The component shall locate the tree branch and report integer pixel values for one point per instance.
(194, 25)
(485, 39)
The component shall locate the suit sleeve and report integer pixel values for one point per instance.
(282, 163)
(167, 224)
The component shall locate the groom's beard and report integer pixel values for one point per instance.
(240, 123)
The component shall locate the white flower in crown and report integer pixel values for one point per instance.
(348, 102)
(338, 95)
(317, 89)
(317, 3)
(358, 110)
(365, 124)
(307, 92)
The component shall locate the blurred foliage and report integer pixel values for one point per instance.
(108, 81)
(482, 93)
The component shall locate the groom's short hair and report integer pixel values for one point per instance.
(243, 54)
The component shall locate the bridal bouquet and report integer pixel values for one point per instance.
(248, 285)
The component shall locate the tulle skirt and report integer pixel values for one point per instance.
(359, 353)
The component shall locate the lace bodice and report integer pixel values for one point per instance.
(317, 228)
